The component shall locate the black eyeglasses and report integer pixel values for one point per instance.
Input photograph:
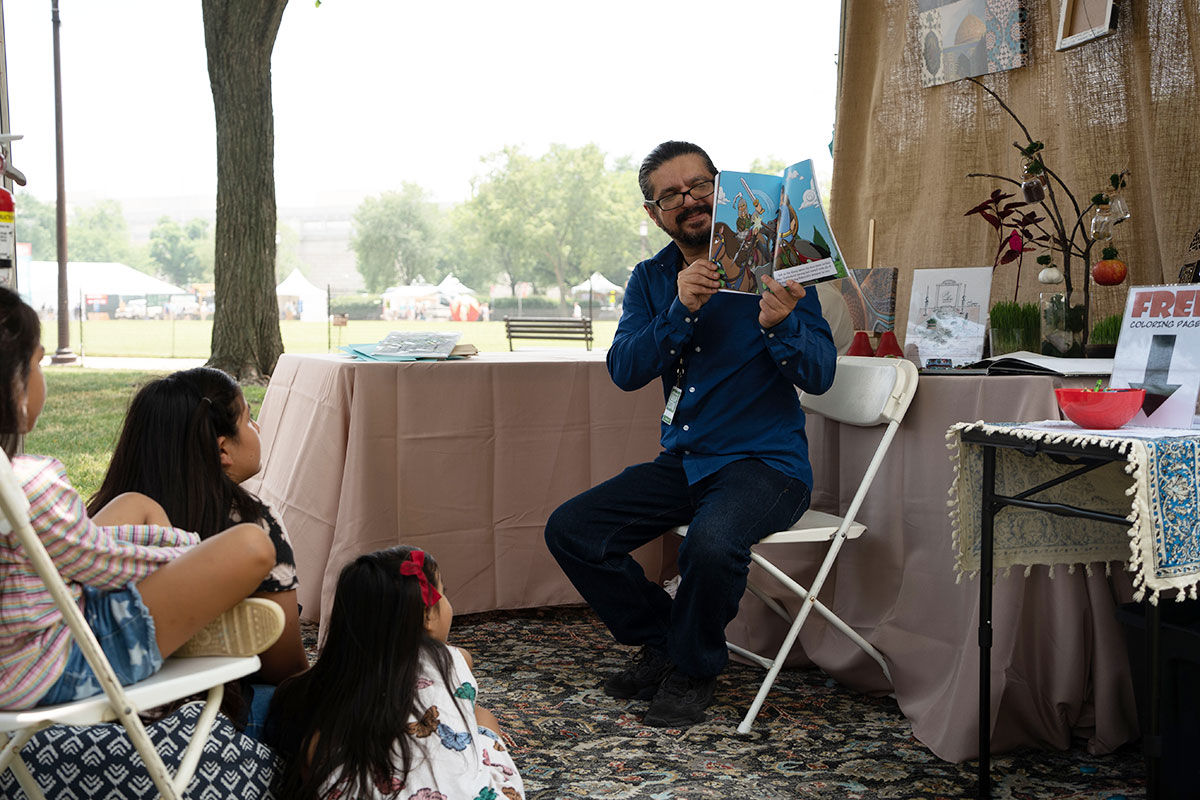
(675, 199)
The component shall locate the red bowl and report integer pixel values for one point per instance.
(1100, 410)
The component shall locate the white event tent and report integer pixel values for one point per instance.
(452, 287)
(312, 303)
(598, 284)
(89, 278)
(402, 302)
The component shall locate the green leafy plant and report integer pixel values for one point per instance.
(1015, 230)
(1106, 330)
(1006, 314)
(1015, 326)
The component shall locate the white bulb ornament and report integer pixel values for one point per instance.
(1050, 275)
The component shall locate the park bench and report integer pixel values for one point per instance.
(548, 328)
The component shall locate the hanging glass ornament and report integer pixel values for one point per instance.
(1120, 208)
(1102, 222)
(1033, 184)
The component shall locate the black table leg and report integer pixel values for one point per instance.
(987, 511)
(1153, 742)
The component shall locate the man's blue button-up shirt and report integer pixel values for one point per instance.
(739, 385)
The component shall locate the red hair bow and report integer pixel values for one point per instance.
(415, 565)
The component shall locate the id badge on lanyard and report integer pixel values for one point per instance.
(675, 395)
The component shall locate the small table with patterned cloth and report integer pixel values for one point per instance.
(1131, 495)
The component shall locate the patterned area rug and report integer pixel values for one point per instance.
(539, 672)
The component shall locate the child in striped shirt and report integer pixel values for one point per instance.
(146, 589)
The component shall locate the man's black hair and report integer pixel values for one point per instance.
(664, 153)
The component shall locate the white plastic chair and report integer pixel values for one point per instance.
(178, 678)
(866, 392)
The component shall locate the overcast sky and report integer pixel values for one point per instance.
(369, 94)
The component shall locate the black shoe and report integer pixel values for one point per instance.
(640, 680)
(680, 701)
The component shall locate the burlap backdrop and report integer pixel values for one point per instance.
(902, 152)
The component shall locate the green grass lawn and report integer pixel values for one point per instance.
(192, 339)
(83, 416)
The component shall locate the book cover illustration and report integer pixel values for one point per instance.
(805, 249)
(745, 215)
(771, 225)
(947, 315)
(870, 296)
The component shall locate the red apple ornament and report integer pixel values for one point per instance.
(1110, 270)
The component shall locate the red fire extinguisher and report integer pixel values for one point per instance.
(8, 219)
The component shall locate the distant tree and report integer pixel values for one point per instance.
(37, 225)
(99, 233)
(393, 237)
(287, 252)
(768, 166)
(554, 220)
(139, 258)
(175, 249)
(239, 36)
(464, 250)
(494, 226)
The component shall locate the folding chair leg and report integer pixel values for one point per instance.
(769, 602)
(12, 759)
(854, 636)
(765, 663)
(150, 758)
(191, 756)
(825, 612)
(28, 784)
(12, 746)
(773, 672)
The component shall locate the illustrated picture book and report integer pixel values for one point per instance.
(870, 296)
(771, 225)
(947, 315)
(412, 346)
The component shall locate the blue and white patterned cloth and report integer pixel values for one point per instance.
(1157, 489)
(100, 762)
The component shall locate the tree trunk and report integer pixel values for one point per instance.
(239, 36)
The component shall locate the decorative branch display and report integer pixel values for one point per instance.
(1061, 228)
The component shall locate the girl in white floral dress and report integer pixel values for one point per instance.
(389, 710)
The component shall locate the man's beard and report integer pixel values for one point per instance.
(686, 239)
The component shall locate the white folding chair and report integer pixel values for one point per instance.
(866, 392)
(178, 678)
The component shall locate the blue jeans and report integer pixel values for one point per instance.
(125, 631)
(592, 535)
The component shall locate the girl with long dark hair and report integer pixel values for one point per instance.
(146, 589)
(188, 442)
(389, 708)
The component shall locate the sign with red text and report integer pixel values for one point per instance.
(1159, 351)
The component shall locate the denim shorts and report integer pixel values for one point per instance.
(125, 630)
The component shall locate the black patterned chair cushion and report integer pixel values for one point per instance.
(100, 762)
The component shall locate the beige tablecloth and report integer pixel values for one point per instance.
(466, 459)
(469, 458)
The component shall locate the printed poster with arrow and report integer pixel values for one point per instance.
(1159, 351)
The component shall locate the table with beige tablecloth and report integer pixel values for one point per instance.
(468, 459)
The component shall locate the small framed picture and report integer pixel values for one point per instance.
(1081, 21)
